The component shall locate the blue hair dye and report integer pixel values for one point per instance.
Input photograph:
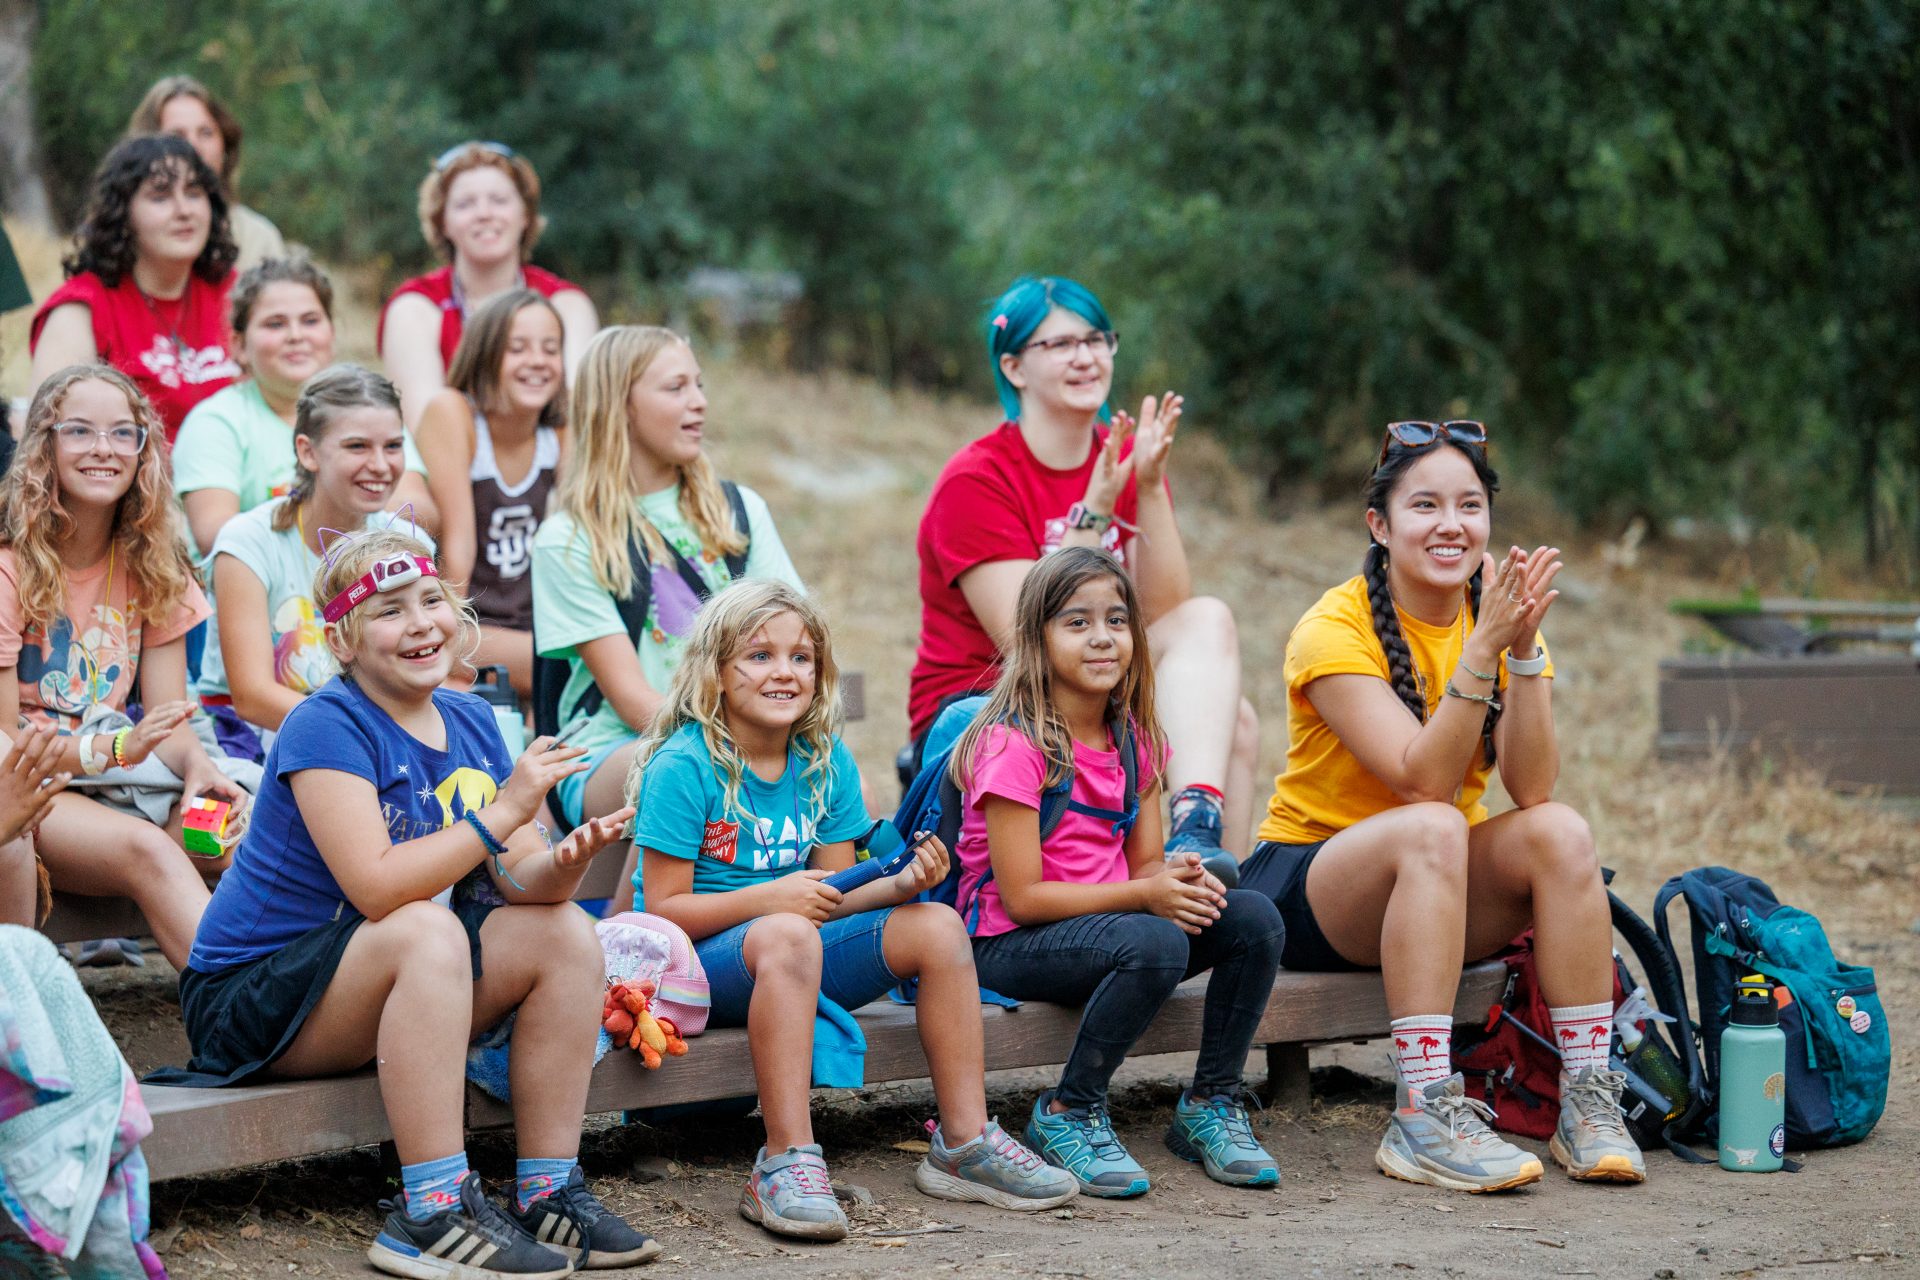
(1023, 308)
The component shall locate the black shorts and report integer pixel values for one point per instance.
(1280, 872)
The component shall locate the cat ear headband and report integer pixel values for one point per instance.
(386, 574)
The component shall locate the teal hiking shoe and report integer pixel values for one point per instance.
(1217, 1134)
(1082, 1142)
(992, 1169)
(790, 1195)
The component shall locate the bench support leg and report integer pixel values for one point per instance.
(1288, 1085)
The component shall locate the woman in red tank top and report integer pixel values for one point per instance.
(480, 210)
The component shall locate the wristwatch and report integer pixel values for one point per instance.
(1080, 516)
(1527, 666)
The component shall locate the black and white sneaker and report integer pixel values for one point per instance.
(476, 1241)
(571, 1219)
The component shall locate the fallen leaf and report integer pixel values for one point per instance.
(251, 1231)
(915, 1145)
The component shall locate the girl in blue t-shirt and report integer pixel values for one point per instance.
(326, 946)
(748, 801)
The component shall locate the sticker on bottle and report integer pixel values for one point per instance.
(1778, 1142)
(1775, 1087)
(1845, 1006)
(1860, 1021)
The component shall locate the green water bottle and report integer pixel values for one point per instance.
(1753, 1081)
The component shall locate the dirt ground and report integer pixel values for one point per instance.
(846, 466)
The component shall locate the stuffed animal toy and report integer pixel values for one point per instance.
(628, 1017)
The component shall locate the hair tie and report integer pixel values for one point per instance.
(1000, 321)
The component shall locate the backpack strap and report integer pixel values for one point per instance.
(737, 560)
(1056, 801)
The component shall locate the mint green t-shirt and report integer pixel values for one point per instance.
(570, 607)
(233, 441)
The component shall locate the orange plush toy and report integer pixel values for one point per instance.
(628, 1017)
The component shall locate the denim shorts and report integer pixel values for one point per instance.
(570, 791)
(853, 965)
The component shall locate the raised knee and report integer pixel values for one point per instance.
(1154, 942)
(937, 928)
(425, 934)
(1435, 839)
(1211, 622)
(784, 941)
(1562, 840)
(570, 933)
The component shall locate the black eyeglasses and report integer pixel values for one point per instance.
(1418, 435)
(452, 153)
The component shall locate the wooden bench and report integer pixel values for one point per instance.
(201, 1131)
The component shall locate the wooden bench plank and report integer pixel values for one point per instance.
(202, 1131)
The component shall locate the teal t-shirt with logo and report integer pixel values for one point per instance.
(683, 814)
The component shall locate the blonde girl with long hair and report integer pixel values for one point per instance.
(96, 589)
(326, 948)
(1096, 911)
(638, 487)
(747, 802)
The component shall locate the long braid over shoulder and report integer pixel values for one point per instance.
(1386, 627)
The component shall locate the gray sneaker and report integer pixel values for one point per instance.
(790, 1195)
(992, 1169)
(1591, 1141)
(1439, 1136)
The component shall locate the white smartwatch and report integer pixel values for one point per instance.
(1527, 666)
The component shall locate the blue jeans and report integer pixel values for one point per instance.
(1124, 966)
(853, 965)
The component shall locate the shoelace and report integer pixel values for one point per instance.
(810, 1177)
(1014, 1153)
(576, 1204)
(1466, 1117)
(1099, 1127)
(1596, 1099)
(1234, 1116)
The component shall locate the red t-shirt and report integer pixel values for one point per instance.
(437, 287)
(176, 350)
(993, 501)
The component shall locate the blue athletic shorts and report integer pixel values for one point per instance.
(570, 790)
(853, 965)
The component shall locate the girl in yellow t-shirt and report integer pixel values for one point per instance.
(1405, 686)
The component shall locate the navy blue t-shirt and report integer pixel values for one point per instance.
(279, 887)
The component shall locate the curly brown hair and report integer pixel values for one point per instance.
(474, 155)
(35, 523)
(105, 243)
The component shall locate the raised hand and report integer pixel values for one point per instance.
(1504, 606)
(1153, 437)
(535, 773)
(928, 868)
(29, 780)
(1110, 470)
(590, 837)
(1543, 566)
(153, 730)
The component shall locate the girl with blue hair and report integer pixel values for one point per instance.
(1064, 470)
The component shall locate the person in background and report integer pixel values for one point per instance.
(495, 438)
(30, 778)
(480, 210)
(147, 281)
(235, 450)
(185, 108)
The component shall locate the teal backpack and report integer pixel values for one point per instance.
(1839, 1052)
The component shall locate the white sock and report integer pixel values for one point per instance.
(1423, 1048)
(1584, 1033)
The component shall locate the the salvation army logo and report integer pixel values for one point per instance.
(721, 841)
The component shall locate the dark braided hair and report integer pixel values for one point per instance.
(105, 243)
(1386, 619)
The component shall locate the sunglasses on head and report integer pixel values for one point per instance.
(1418, 435)
(452, 153)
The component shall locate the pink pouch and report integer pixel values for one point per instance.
(639, 945)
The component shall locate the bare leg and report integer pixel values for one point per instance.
(928, 941)
(782, 953)
(546, 962)
(93, 850)
(1391, 891)
(19, 882)
(606, 790)
(1537, 866)
(1196, 656)
(512, 650)
(209, 869)
(403, 990)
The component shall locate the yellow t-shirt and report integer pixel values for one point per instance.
(1326, 789)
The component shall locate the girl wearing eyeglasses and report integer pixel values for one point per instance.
(480, 210)
(1406, 685)
(1055, 474)
(95, 588)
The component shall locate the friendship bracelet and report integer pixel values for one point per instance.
(1487, 698)
(1477, 675)
(493, 846)
(1527, 666)
(120, 746)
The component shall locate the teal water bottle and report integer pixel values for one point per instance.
(1753, 1081)
(495, 685)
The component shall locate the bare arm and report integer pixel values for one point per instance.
(531, 870)
(446, 442)
(66, 338)
(991, 590)
(208, 511)
(1160, 555)
(1013, 843)
(616, 669)
(410, 349)
(412, 489)
(1524, 740)
(668, 884)
(246, 644)
(578, 323)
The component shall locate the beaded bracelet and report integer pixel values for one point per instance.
(1487, 698)
(120, 746)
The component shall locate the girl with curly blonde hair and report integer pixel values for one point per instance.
(747, 802)
(95, 589)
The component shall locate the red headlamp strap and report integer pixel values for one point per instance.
(385, 575)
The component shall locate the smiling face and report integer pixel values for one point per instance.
(531, 369)
(358, 459)
(768, 683)
(1061, 383)
(1436, 524)
(1090, 639)
(485, 216)
(405, 640)
(288, 338)
(185, 116)
(667, 408)
(170, 215)
(93, 473)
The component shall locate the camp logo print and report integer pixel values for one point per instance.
(471, 788)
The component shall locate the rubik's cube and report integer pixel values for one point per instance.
(202, 825)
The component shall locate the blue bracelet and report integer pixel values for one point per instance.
(493, 846)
